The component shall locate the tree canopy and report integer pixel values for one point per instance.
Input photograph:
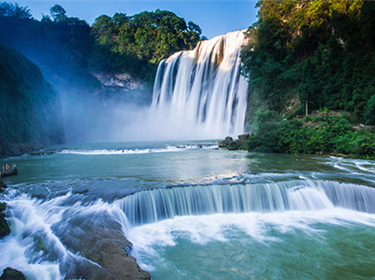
(321, 52)
(118, 44)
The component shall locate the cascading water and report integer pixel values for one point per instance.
(200, 94)
(184, 206)
(159, 204)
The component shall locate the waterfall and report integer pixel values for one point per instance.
(158, 204)
(200, 93)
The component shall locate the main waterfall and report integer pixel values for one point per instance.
(200, 93)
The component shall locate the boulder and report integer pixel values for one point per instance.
(228, 139)
(222, 144)
(3, 186)
(4, 226)
(238, 142)
(243, 137)
(12, 274)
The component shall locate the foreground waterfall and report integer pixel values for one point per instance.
(200, 93)
(155, 205)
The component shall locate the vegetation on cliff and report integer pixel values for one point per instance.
(72, 49)
(312, 56)
(320, 53)
(30, 110)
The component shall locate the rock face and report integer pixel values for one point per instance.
(124, 81)
(30, 109)
(12, 274)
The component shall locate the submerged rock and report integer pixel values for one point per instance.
(12, 274)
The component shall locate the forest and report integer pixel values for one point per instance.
(321, 52)
(306, 57)
(118, 44)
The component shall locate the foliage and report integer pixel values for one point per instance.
(334, 135)
(30, 107)
(141, 41)
(14, 10)
(72, 49)
(321, 51)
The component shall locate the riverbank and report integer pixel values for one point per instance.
(324, 135)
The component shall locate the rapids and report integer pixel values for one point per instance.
(191, 211)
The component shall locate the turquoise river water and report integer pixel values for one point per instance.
(193, 211)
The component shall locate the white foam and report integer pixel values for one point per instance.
(259, 227)
(177, 148)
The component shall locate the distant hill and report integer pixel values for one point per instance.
(30, 110)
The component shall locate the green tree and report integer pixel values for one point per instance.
(58, 13)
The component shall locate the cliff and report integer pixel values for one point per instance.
(30, 110)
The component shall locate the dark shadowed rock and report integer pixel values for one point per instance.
(226, 142)
(4, 226)
(12, 274)
(222, 144)
(3, 186)
(238, 142)
(243, 137)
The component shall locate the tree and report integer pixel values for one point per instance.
(58, 13)
(14, 10)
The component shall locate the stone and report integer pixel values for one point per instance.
(104, 250)
(238, 142)
(12, 274)
(228, 139)
(4, 227)
(222, 144)
(243, 137)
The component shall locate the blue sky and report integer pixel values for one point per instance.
(215, 17)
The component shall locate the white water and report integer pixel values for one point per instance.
(159, 204)
(159, 217)
(168, 148)
(200, 94)
(225, 210)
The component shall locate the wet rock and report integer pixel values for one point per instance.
(238, 142)
(226, 142)
(243, 137)
(12, 274)
(103, 246)
(3, 186)
(4, 226)
(222, 144)
(3, 206)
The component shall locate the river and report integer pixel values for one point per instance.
(192, 211)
